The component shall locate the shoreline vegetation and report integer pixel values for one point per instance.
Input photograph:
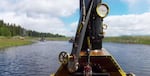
(58, 38)
(129, 39)
(15, 35)
(6, 42)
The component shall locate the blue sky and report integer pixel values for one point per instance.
(126, 17)
(116, 5)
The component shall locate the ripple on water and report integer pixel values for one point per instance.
(41, 59)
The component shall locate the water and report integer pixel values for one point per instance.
(132, 57)
(41, 59)
(38, 59)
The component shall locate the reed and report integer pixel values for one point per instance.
(129, 39)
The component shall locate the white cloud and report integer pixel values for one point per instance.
(49, 7)
(135, 24)
(45, 16)
(118, 25)
(52, 24)
(38, 15)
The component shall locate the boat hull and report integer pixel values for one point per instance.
(101, 62)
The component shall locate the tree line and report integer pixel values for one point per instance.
(11, 30)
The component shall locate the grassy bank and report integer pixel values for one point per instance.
(58, 38)
(129, 39)
(9, 42)
(18, 41)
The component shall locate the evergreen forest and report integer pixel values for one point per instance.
(10, 30)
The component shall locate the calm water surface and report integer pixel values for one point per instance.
(41, 59)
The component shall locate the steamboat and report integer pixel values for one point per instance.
(88, 57)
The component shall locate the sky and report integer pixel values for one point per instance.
(126, 17)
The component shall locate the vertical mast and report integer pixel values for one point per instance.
(90, 25)
(96, 28)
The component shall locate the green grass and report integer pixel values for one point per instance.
(9, 42)
(58, 38)
(129, 39)
(18, 41)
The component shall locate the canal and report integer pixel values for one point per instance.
(41, 58)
